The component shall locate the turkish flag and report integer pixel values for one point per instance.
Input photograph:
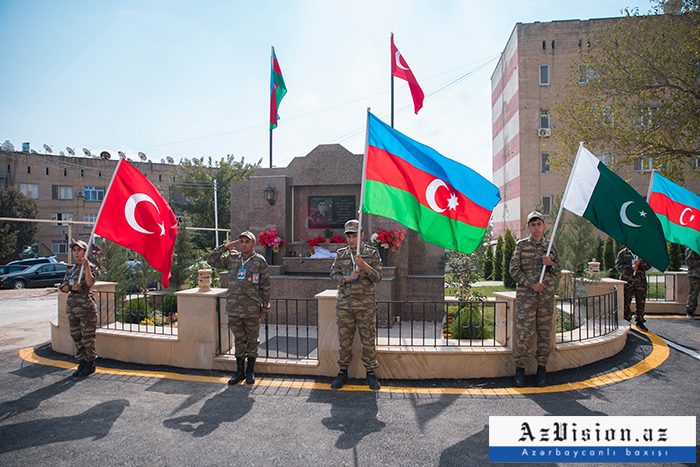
(400, 69)
(135, 215)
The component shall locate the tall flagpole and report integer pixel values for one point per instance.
(391, 72)
(272, 88)
(362, 188)
(561, 207)
(97, 220)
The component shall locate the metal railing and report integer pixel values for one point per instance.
(289, 331)
(137, 312)
(586, 317)
(442, 323)
(657, 285)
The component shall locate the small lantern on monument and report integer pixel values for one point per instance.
(204, 280)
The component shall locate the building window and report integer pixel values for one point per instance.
(94, 193)
(61, 192)
(92, 218)
(62, 216)
(29, 169)
(546, 205)
(544, 45)
(544, 75)
(545, 163)
(47, 170)
(643, 164)
(552, 45)
(58, 247)
(607, 158)
(28, 190)
(544, 119)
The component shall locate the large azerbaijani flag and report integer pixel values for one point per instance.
(613, 206)
(448, 203)
(277, 90)
(678, 209)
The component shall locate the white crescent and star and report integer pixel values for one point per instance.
(690, 219)
(623, 215)
(430, 196)
(398, 61)
(130, 212)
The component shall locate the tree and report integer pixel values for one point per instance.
(578, 244)
(195, 181)
(635, 92)
(675, 253)
(508, 250)
(498, 260)
(488, 263)
(17, 235)
(184, 256)
(609, 255)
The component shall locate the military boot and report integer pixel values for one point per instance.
(372, 381)
(541, 378)
(88, 369)
(519, 377)
(76, 373)
(250, 371)
(340, 380)
(240, 365)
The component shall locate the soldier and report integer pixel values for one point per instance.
(356, 307)
(534, 303)
(247, 299)
(632, 270)
(692, 259)
(81, 308)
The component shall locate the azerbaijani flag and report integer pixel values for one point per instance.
(448, 203)
(277, 90)
(678, 209)
(613, 206)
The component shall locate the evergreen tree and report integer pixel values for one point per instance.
(488, 263)
(114, 265)
(609, 255)
(498, 260)
(675, 253)
(508, 250)
(17, 235)
(184, 256)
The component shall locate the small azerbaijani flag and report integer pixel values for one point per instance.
(448, 203)
(678, 209)
(277, 90)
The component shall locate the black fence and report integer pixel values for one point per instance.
(152, 313)
(587, 317)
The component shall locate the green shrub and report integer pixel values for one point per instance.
(169, 305)
(469, 323)
(135, 311)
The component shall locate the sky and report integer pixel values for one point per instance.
(190, 79)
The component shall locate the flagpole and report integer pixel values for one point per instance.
(651, 183)
(99, 213)
(391, 73)
(561, 207)
(362, 188)
(272, 70)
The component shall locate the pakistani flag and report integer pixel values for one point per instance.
(613, 206)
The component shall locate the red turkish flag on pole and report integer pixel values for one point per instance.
(135, 215)
(400, 69)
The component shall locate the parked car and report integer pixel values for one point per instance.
(8, 268)
(39, 275)
(31, 261)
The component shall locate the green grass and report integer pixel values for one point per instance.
(485, 290)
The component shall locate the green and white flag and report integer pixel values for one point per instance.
(613, 206)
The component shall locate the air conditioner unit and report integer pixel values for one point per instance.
(545, 132)
(80, 194)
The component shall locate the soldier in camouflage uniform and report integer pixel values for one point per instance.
(692, 259)
(356, 307)
(247, 299)
(81, 308)
(534, 305)
(633, 271)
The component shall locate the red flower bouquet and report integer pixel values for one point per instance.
(388, 239)
(269, 238)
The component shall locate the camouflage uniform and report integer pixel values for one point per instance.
(692, 259)
(248, 295)
(356, 306)
(636, 283)
(534, 311)
(82, 313)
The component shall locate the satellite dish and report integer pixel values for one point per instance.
(87, 152)
(105, 155)
(62, 153)
(128, 159)
(33, 151)
(142, 156)
(71, 151)
(121, 155)
(169, 159)
(48, 149)
(162, 161)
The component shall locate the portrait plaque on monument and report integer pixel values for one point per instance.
(330, 212)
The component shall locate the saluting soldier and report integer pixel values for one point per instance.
(247, 299)
(81, 307)
(692, 259)
(633, 271)
(534, 303)
(356, 307)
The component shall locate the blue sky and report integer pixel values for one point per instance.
(191, 79)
